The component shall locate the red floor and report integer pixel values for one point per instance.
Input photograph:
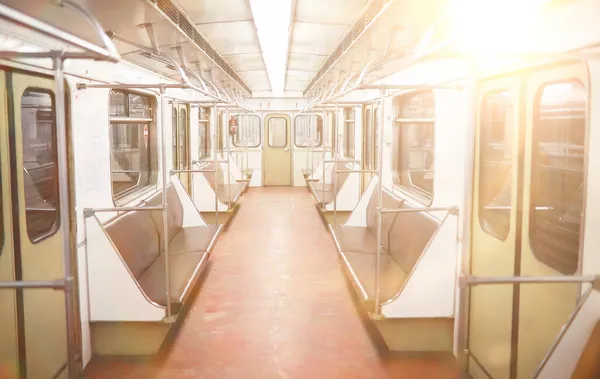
(275, 304)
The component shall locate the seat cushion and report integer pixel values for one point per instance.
(354, 239)
(388, 201)
(391, 278)
(182, 268)
(223, 192)
(136, 239)
(319, 187)
(193, 239)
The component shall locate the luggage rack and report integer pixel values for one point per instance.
(85, 50)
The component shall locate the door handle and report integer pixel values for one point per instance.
(286, 149)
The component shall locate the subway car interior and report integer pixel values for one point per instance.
(290, 189)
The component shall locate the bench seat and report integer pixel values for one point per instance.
(404, 237)
(182, 270)
(138, 237)
(363, 266)
(223, 187)
(323, 190)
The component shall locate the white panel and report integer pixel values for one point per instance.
(564, 360)
(330, 11)
(316, 38)
(359, 214)
(348, 195)
(204, 196)
(205, 11)
(247, 61)
(114, 293)
(232, 37)
(191, 217)
(429, 289)
(305, 61)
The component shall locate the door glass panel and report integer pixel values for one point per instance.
(40, 169)
(183, 139)
(557, 176)
(277, 132)
(495, 169)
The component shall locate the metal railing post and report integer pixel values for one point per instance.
(216, 160)
(228, 137)
(379, 200)
(65, 209)
(165, 221)
(335, 179)
(462, 344)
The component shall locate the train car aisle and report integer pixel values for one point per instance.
(274, 304)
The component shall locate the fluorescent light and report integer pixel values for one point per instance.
(272, 19)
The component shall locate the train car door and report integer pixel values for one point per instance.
(277, 157)
(181, 144)
(529, 181)
(33, 333)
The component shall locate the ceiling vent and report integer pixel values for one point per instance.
(181, 21)
(355, 32)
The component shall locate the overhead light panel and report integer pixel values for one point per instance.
(272, 19)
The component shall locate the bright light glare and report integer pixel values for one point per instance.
(492, 26)
(272, 19)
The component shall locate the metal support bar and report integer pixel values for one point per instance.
(482, 280)
(452, 210)
(227, 138)
(345, 160)
(89, 212)
(215, 128)
(190, 171)
(357, 171)
(409, 86)
(59, 284)
(165, 204)
(109, 52)
(379, 200)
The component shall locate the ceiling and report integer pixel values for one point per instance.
(219, 39)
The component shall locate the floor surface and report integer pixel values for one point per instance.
(275, 305)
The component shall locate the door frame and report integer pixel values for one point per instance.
(265, 134)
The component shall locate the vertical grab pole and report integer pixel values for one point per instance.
(323, 177)
(379, 197)
(215, 130)
(334, 150)
(228, 134)
(65, 209)
(465, 241)
(165, 220)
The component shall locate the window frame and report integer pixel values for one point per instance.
(138, 190)
(56, 225)
(204, 124)
(321, 132)
(259, 123)
(349, 137)
(535, 121)
(399, 156)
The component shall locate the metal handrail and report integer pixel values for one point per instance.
(452, 209)
(58, 284)
(109, 52)
(89, 212)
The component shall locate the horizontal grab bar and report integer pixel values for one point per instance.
(29, 284)
(191, 171)
(344, 160)
(477, 280)
(357, 171)
(453, 210)
(89, 212)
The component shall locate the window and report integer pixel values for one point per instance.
(183, 140)
(133, 141)
(349, 132)
(247, 133)
(220, 132)
(414, 142)
(204, 140)
(277, 132)
(308, 130)
(557, 175)
(495, 163)
(40, 168)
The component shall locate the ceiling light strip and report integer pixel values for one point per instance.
(272, 19)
